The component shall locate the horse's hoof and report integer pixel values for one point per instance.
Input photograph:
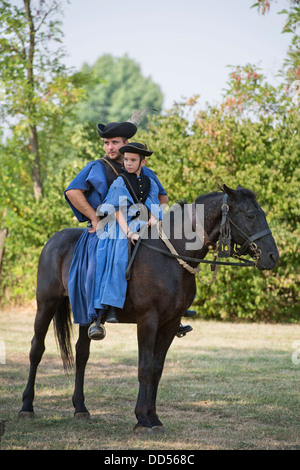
(26, 415)
(139, 429)
(159, 429)
(83, 416)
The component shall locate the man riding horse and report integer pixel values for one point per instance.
(84, 194)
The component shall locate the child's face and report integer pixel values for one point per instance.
(133, 163)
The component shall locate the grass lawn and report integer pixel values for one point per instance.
(224, 386)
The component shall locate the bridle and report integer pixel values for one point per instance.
(225, 248)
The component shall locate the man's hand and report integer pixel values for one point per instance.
(95, 224)
(78, 199)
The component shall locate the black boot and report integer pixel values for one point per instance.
(111, 316)
(190, 313)
(183, 330)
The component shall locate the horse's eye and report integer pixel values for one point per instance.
(250, 216)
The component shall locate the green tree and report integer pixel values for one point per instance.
(38, 94)
(291, 66)
(117, 89)
(228, 144)
(36, 86)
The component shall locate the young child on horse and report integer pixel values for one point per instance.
(130, 197)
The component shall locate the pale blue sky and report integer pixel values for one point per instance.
(184, 45)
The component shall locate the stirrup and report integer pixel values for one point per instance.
(97, 330)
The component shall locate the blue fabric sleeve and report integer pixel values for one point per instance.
(152, 201)
(146, 171)
(97, 179)
(91, 180)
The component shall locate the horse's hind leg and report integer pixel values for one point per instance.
(45, 313)
(82, 355)
(146, 340)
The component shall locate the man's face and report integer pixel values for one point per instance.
(112, 146)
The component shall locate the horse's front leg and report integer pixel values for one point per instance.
(146, 331)
(164, 338)
(82, 355)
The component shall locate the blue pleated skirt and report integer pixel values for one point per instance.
(81, 278)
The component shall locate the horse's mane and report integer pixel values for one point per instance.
(240, 193)
(200, 199)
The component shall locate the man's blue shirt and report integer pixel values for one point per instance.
(92, 180)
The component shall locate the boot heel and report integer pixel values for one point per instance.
(111, 316)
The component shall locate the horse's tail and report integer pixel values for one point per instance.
(63, 333)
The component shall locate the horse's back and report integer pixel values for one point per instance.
(55, 261)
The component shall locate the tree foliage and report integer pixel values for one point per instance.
(116, 90)
(37, 88)
(38, 94)
(291, 67)
(223, 144)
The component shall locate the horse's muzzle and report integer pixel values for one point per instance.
(268, 260)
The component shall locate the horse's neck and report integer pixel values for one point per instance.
(207, 225)
(212, 215)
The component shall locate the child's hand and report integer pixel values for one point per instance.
(152, 221)
(133, 236)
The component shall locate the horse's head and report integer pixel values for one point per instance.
(249, 227)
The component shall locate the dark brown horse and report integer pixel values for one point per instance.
(159, 290)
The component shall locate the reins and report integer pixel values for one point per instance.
(173, 254)
(223, 250)
(224, 246)
(183, 260)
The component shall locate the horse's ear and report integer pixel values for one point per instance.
(229, 191)
(239, 186)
